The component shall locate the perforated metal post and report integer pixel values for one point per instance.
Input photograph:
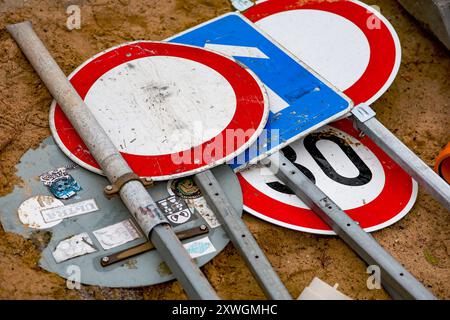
(408, 160)
(133, 193)
(396, 279)
(241, 237)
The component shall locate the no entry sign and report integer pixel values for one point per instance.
(365, 182)
(300, 100)
(172, 110)
(349, 43)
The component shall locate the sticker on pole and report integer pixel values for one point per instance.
(349, 43)
(300, 100)
(171, 110)
(365, 182)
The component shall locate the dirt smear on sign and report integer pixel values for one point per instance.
(416, 108)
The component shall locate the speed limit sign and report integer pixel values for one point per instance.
(365, 182)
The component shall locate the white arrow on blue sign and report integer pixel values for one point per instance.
(300, 100)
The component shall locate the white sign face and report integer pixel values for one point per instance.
(368, 185)
(346, 196)
(70, 210)
(30, 211)
(117, 234)
(152, 98)
(349, 43)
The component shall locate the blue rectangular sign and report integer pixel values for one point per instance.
(300, 100)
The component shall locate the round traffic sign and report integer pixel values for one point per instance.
(171, 110)
(364, 181)
(349, 43)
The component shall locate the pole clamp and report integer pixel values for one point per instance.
(363, 112)
(114, 188)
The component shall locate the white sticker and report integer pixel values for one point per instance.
(30, 211)
(70, 210)
(75, 246)
(117, 234)
(200, 247)
(242, 5)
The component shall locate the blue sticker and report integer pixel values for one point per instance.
(60, 183)
(65, 187)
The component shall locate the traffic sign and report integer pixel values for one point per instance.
(80, 237)
(300, 100)
(365, 182)
(168, 108)
(349, 43)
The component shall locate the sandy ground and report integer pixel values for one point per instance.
(416, 108)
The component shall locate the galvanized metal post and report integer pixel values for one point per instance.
(241, 237)
(133, 193)
(399, 282)
(408, 160)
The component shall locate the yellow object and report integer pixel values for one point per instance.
(442, 165)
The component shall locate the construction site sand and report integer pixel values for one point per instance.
(416, 108)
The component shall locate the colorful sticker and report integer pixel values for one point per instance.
(60, 183)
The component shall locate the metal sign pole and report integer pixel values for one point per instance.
(399, 282)
(131, 190)
(241, 237)
(408, 160)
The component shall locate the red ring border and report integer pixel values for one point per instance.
(250, 104)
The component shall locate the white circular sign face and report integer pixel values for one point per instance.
(30, 211)
(173, 102)
(347, 196)
(364, 181)
(171, 110)
(349, 43)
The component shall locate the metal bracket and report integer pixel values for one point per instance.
(114, 188)
(363, 112)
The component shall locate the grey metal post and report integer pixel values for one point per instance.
(399, 282)
(408, 160)
(133, 193)
(241, 237)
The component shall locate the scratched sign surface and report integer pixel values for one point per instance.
(300, 100)
(168, 108)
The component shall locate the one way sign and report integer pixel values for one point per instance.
(300, 100)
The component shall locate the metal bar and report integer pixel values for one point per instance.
(408, 160)
(393, 275)
(133, 193)
(241, 237)
(148, 246)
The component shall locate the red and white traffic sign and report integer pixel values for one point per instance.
(168, 108)
(364, 181)
(349, 43)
